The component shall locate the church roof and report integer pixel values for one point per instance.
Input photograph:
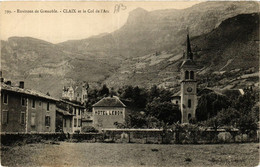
(188, 63)
(109, 102)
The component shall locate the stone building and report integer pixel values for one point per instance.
(107, 112)
(25, 110)
(78, 93)
(187, 97)
(69, 116)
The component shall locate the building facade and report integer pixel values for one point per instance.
(78, 93)
(107, 112)
(24, 110)
(69, 117)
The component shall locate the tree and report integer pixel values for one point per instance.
(104, 91)
(127, 92)
(164, 111)
(210, 104)
(153, 93)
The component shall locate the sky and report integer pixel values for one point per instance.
(66, 25)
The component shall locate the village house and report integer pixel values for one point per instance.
(107, 112)
(76, 93)
(71, 115)
(25, 110)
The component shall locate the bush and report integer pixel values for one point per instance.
(186, 133)
(89, 129)
(224, 137)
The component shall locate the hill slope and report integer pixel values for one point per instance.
(233, 45)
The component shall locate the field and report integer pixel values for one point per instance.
(108, 154)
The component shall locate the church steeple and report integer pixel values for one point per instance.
(189, 52)
(188, 85)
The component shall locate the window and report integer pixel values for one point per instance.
(70, 122)
(189, 103)
(186, 74)
(75, 122)
(47, 120)
(189, 116)
(23, 101)
(5, 98)
(40, 103)
(33, 115)
(48, 106)
(5, 117)
(74, 112)
(79, 122)
(191, 75)
(79, 111)
(65, 123)
(176, 101)
(33, 103)
(22, 118)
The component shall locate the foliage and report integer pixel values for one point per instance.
(87, 129)
(210, 104)
(164, 111)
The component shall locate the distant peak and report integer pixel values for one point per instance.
(26, 38)
(138, 11)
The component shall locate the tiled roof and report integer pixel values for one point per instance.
(71, 103)
(26, 92)
(109, 102)
(63, 112)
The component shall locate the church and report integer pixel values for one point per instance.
(187, 97)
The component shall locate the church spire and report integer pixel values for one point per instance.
(189, 53)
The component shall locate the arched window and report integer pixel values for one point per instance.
(189, 116)
(192, 75)
(189, 103)
(186, 74)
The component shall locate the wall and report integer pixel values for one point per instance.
(14, 109)
(40, 112)
(105, 117)
(76, 120)
(185, 96)
(67, 124)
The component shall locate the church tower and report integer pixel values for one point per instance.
(188, 86)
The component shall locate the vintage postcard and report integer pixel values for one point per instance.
(129, 83)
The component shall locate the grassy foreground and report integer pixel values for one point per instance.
(102, 154)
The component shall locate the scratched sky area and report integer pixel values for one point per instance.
(59, 27)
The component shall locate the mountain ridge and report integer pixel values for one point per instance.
(146, 54)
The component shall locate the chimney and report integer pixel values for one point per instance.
(8, 83)
(21, 84)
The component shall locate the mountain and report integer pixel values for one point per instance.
(146, 50)
(47, 67)
(146, 32)
(231, 48)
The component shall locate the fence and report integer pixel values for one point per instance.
(148, 136)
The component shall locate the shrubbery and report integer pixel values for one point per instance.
(89, 129)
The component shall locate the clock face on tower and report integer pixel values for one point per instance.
(189, 89)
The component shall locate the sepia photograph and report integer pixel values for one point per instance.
(129, 83)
